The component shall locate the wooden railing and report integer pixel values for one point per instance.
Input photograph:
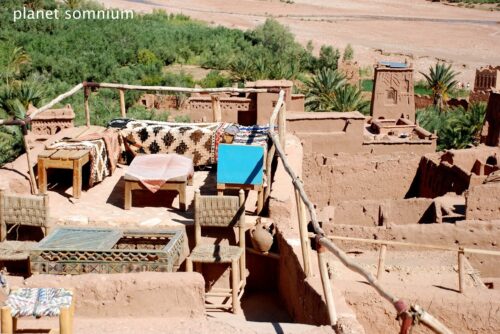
(408, 314)
(461, 251)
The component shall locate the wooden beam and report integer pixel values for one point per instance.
(176, 89)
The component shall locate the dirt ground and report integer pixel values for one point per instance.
(418, 30)
(428, 279)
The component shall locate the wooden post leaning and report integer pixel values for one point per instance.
(304, 239)
(282, 126)
(325, 281)
(461, 270)
(381, 261)
(123, 112)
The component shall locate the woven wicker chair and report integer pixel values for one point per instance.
(222, 212)
(30, 210)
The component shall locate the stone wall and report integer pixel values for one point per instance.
(329, 180)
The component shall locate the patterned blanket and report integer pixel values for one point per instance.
(196, 140)
(104, 152)
(38, 302)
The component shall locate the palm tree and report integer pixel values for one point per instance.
(16, 59)
(320, 89)
(348, 98)
(441, 80)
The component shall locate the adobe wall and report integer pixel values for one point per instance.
(303, 297)
(146, 294)
(490, 134)
(452, 170)
(328, 132)
(199, 109)
(483, 202)
(344, 177)
(370, 212)
(393, 93)
(419, 147)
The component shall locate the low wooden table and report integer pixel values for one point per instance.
(179, 186)
(64, 159)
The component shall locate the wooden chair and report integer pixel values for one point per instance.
(222, 212)
(26, 210)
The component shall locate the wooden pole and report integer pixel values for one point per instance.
(86, 94)
(7, 326)
(34, 186)
(430, 322)
(461, 270)
(123, 112)
(282, 126)
(216, 108)
(177, 89)
(65, 321)
(304, 240)
(381, 261)
(327, 288)
(56, 100)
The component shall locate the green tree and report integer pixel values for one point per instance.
(348, 53)
(328, 57)
(348, 98)
(321, 87)
(441, 80)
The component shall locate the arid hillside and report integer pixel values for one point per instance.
(419, 30)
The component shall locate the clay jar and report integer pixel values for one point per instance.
(262, 236)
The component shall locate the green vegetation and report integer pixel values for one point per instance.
(456, 128)
(441, 81)
(328, 90)
(58, 54)
(348, 53)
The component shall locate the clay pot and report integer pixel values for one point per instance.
(262, 236)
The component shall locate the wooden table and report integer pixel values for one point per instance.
(66, 159)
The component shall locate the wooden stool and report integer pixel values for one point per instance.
(9, 322)
(64, 159)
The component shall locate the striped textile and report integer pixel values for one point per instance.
(252, 135)
(38, 302)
